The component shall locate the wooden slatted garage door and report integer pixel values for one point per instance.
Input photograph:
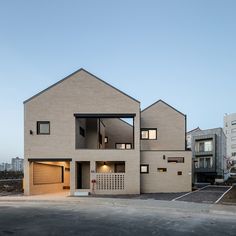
(47, 174)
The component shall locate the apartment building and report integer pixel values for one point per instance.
(83, 135)
(230, 132)
(17, 164)
(210, 163)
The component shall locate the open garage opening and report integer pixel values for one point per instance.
(49, 177)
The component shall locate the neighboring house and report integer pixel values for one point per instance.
(189, 147)
(17, 164)
(209, 156)
(84, 135)
(230, 132)
(189, 137)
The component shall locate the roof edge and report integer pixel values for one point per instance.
(194, 129)
(165, 104)
(65, 78)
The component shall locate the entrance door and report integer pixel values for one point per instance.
(83, 175)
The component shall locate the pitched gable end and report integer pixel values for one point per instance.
(161, 101)
(78, 71)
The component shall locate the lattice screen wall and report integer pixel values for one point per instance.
(111, 181)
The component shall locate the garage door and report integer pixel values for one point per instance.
(47, 174)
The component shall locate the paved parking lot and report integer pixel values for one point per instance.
(48, 215)
(209, 194)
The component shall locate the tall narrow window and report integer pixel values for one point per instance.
(43, 127)
(148, 133)
(106, 140)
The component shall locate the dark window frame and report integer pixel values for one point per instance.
(162, 169)
(147, 129)
(173, 161)
(82, 131)
(38, 127)
(146, 165)
(179, 173)
(125, 146)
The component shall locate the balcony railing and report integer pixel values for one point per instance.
(110, 181)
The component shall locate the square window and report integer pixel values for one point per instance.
(128, 146)
(43, 127)
(152, 134)
(179, 173)
(144, 169)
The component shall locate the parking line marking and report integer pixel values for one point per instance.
(188, 193)
(223, 195)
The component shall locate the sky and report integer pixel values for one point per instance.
(183, 52)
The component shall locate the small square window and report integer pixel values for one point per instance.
(144, 169)
(179, 173)
(43, 127)
(128, 146)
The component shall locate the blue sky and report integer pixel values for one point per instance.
(183, 52)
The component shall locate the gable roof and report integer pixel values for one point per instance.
(196, 129)
(165, 104)
(67, 77)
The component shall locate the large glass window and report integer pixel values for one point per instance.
(208, 146)
(147, 133)
(204, 162)
(201, 147)
(201, 163)
(204, 146)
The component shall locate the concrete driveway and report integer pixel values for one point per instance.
(106, 216)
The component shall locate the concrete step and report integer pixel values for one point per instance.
(81, 193)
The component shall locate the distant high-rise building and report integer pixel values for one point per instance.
(230, 132)
(5, 167)
(17, 164)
